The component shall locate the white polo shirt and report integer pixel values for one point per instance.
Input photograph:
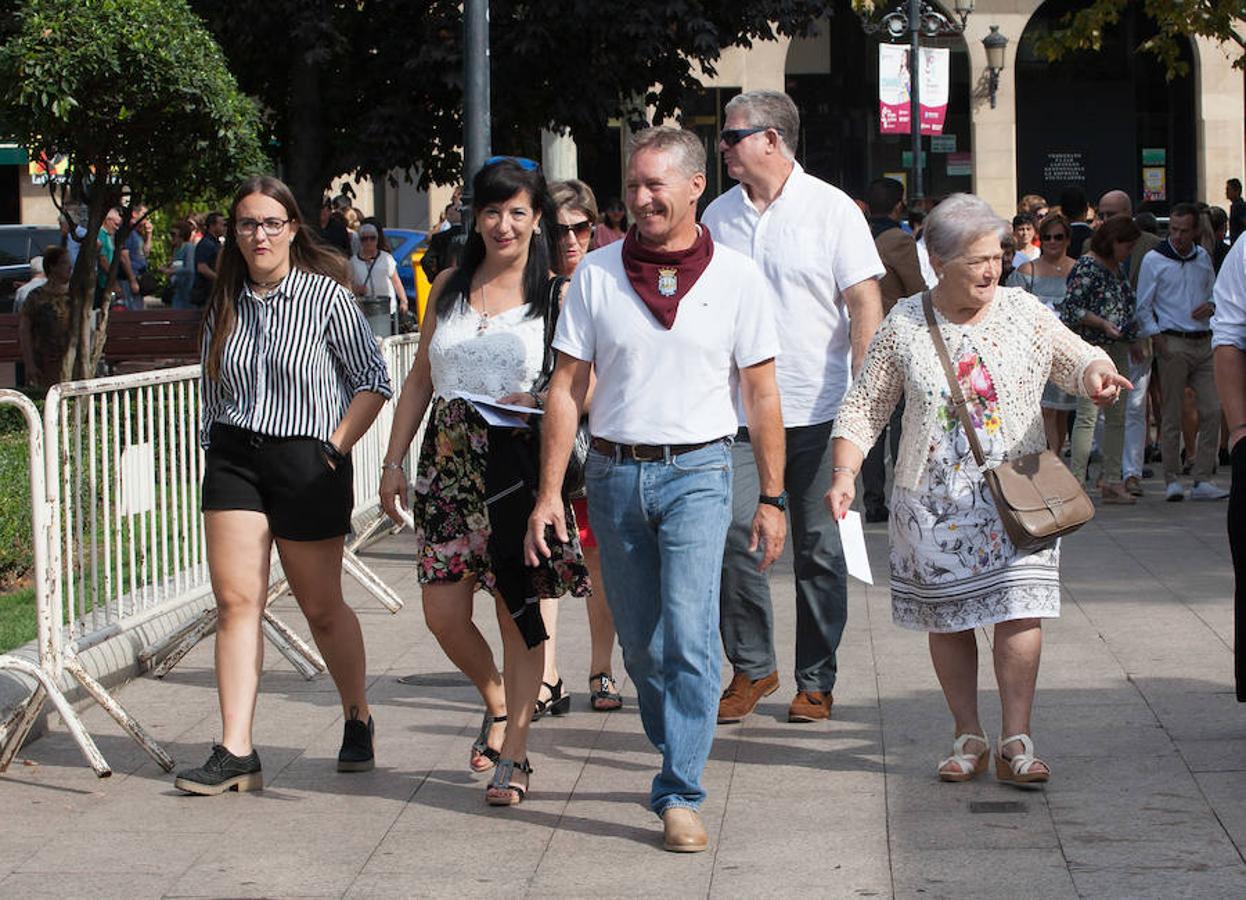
(1228, 324)
(811, 243)
(656, 386)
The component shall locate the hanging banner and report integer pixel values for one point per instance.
(894, 81)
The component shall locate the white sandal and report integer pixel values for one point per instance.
(1020, 769)
(970, 765)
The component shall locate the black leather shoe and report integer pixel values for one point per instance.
(877, 514)
(222, 772)
(356, 753)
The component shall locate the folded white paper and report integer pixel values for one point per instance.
(852, 537)
(499, 415)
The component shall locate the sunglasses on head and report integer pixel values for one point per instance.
(1060, 236)
(528, 165)
(579, 229)
(733, 136)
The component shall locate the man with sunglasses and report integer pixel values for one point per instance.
(815, 248)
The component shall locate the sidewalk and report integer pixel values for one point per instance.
(1135, 713)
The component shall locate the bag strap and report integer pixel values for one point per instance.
(551, 323)
(953, 383)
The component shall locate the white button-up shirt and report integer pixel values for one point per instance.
(1228, 325)
(811, 244)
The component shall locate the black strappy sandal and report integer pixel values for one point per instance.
(502, 791)
(604, 696)
(558, 704)
(480, 747)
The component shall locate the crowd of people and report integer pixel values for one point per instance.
(712, 380)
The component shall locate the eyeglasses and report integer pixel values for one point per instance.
(528, 165)
(367, 237)
(248, 227)
(733, 136)
(580, 229)
(1053, 237)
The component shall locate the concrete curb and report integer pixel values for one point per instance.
(112, 662)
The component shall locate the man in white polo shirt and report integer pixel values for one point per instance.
(674, 325)
(815, 248)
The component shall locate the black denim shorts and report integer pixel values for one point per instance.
(289, 479)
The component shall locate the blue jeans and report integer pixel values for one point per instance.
(661, 527)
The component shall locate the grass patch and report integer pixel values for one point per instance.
(16, 542)
(18, 621)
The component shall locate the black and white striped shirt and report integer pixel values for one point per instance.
(294, 361)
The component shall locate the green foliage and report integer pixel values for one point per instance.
(387, 76)
(16, 542)
(18, 619)
(136, 88)
(1177, 21)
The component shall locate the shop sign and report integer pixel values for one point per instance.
(959, 164)
(943, 143)
(1154, 183)
(1154, 156)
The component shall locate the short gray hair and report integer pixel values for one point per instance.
(959, 221)
(683, 145)
(770, 109)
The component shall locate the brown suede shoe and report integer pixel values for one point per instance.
(1117, 494)
(810, 706)
(682, 831)
(742, 695)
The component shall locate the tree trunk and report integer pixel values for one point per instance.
(305, 152)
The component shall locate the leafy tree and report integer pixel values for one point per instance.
(136, 97)
(371, 86)
(1176, 20)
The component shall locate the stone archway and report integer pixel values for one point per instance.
(1100, 120)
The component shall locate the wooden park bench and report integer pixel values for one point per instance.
(152, 338)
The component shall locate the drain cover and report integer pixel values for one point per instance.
(996, 806)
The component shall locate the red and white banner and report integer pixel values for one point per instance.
(894, 80)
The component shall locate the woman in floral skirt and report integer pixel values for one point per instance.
(953, 568)
(474, 485)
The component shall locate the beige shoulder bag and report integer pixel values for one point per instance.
(1038, 498)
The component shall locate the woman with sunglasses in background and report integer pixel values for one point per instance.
(278, 466)
(487, 337)
(613, 224)
(577, 214)
(1046, 278)
(374, 276)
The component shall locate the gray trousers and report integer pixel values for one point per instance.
(747, 620)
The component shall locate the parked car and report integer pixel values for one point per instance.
(408, 246)
(18, 243)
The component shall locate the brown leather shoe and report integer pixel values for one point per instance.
(742, 695)
(682, 831)
(1118, 495)
(1133, 484)
(810, 706)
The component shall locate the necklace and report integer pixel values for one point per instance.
(483, 325)
(263, 288)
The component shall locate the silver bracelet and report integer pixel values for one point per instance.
(847, 470)
(397, 467)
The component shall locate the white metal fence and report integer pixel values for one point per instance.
(115, 479)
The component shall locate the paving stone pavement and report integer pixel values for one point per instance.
(1135, 713)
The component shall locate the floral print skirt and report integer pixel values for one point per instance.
(953, 567)
(451, 520)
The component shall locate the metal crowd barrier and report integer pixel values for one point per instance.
(115, 478)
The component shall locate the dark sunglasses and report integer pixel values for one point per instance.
(580, 229)
(367, 237)
(733, 136)
(528, 165)
(1053, 237)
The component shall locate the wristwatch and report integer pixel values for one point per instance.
(779, 501)
(336, 456)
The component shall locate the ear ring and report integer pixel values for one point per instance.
(536, 230)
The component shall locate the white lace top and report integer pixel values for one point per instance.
(503, 359)
(1021, 342)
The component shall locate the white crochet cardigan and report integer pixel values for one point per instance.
(1020, 341)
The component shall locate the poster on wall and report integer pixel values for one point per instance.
(1154, 183)
(894, 85)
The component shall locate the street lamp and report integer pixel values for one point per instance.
(917, 18)
(995, 44)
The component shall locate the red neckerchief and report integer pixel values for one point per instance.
(662, 278)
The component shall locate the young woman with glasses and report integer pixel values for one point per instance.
(475, 484)
(292, 378)
(1045, 278)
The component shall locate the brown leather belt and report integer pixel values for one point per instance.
(646, 452)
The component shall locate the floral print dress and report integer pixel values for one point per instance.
(953, 567)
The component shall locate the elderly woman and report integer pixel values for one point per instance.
(953, 567)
